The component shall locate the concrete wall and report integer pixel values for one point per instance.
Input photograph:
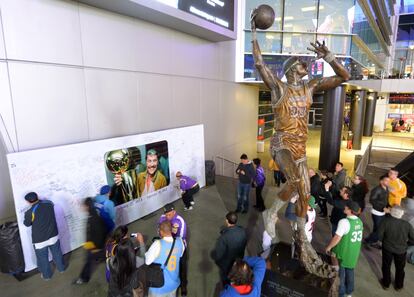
(71, 73)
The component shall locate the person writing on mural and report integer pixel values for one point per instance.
(291, 102)
(152, 179)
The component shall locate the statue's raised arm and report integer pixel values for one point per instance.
(326, 83)
(270, 79)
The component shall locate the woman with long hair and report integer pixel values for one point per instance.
(123, 279)
(120, 233)
(359, 190)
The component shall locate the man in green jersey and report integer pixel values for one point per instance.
(346, 246)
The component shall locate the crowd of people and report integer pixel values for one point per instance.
(161, 270)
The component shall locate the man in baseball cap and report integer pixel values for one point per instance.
(179, 229)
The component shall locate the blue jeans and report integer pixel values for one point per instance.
(347, 281)
(243, 191)
(42, 256)
(373, 237)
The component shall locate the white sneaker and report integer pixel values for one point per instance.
(348, 295)
(192, 203)
(189, 208)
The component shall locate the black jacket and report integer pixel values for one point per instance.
(358, 195)
(339, 179)
(96, 230)
(229, 246)
(315, 183)
(395, 234)
(41, 216)
(338, 204)
(249, 171)
(379, 198)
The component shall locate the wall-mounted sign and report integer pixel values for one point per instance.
(398, 98)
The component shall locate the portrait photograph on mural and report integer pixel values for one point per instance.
(137, 171)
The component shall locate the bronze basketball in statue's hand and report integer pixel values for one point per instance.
(262, 17)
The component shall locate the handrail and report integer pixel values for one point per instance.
(268, 173)
(362, 166)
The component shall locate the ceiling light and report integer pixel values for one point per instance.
(287, 18)
(311, 8)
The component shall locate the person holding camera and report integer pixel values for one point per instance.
(324, 192)
(123, 273)
(119, 234)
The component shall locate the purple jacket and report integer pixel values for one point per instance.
(179, 227)
(260, 176)
(186, 183)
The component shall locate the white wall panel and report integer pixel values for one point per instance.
(44, 30)
(6, 196)
(210, 115)
(49, 103)
(154, 52)
(187, 55)
(186, 101)
(155, 104)
(7, 128)
(227, 60)
(112, 98)
(2, 48)
(238, 119)
(109, 40)
(211, 61)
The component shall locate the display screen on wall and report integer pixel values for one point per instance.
(219, 12)
(397, 98)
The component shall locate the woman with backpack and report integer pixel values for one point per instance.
(259, 182)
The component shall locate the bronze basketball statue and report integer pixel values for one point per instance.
(264, 17)
(291, 102)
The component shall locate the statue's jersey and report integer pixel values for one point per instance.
(291, 119)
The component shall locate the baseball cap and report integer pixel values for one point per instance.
(352, 205)
(31, 197)
(105, 190)
(169, 207)
(311, 202)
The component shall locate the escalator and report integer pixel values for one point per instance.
(406, 172)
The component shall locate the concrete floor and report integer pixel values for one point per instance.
(204, 223)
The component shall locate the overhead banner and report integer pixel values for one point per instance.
(68, 174)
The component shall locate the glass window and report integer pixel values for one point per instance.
(275, 4)
(335, 16)
(300, 15)
(337, 44)
(269, 42)
(407, 6)
(297, 43)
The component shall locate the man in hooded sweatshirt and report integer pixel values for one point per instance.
(105, 206)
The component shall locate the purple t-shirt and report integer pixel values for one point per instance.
(179, 227)
(186, 183)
